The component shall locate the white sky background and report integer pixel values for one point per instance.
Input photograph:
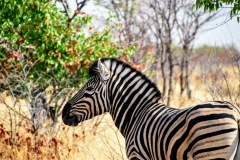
(220, 33)
(216, 33)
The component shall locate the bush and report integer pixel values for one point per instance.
(43, 56)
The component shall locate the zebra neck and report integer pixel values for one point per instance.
(128, 100)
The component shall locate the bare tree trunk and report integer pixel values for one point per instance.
(182, 75)
(157, 67)
(170, 60)
(187, 82)
(163, 61)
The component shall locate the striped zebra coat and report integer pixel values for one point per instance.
(151, 129)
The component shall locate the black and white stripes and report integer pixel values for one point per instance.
(151, 129)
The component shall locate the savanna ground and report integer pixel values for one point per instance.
(216, 78)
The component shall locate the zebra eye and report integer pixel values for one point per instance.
(89, 90)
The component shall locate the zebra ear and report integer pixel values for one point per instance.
(104, 72)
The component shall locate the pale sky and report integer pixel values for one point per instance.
(217, 33)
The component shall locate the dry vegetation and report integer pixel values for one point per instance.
(90, 140)
(98, 138)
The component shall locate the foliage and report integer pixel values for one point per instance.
(44, 53)
(214, 5)
(38, 32)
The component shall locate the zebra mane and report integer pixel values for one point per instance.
(109, 61)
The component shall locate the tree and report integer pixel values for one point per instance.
(124, 17)
(43, 46)
(153, 25)
(163, 19)
(214, 5)
(42, 32)
(188, 25)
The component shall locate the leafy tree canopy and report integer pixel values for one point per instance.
(38, 32)
(213, 5)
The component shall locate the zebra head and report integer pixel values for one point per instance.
(86, 103)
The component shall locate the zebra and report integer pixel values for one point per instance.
(151, 129)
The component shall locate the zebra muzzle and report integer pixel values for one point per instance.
(71, 120)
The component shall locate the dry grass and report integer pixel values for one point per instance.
(89, 140)
(97, 138)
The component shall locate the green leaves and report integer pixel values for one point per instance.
(214, 5)
(40, 31)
